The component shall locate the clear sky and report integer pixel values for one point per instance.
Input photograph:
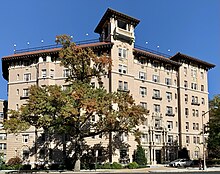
(191, 27)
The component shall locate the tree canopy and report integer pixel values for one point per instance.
(71, 111)
(214, 128)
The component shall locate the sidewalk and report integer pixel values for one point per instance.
(150, 169)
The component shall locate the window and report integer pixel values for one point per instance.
(93, 118)
(51, 73)
(1, 115)
(122, 24)
(186, 98)
(194, 100)
(170, 138)
(197, 126)
(142, 75)
(194, 126)
(169, 124)
(122, 69)
(187, 125)
(202, 87)
(66, 73)
(16, 107)
(197, 113)
(27, 77)
(185, 71)
(194, 86)
(144, 137)
(1, 125)
(157, 123)
(194, 73)
(25, 154)
(194, 139)
(169, 96)
(3, 146)
(120, 85)
(168, 68)
(169, 110)
(187, 139)
(125, 86)
(202, 75)
(168, 81)
(174, 82)
(17, 92)
(44, 73)
(3, 136)
(156, 93)
(156, 108)
(25, 92)
(186, 112)
(185, 84)
(124, 137)
(193, 112)
(143, 104)
(203, 101)
(122, 52)
(18, 76)
(157, 138)
(25, 138)
(155, 78)
(143, 91)
(196, 154)
(198, 140)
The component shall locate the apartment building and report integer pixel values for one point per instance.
(173, 88)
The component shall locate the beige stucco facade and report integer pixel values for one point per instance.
(174, 90)
(3, 135)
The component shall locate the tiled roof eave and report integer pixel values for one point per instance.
(154, 56)
(111, 12)
(176, 57)
(54, 51)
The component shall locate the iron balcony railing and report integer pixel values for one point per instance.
(152, 51)
(84, 42)
(53, 46)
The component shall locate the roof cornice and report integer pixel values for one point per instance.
(109, 13)
(179, 56)
(155, 56)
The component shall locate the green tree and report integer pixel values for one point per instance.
(71, 111)
(214, 128)
(140, 157)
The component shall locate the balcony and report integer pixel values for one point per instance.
(156, 97)
(123, 90)
(170, 114)
(122, 34)
(195, 103)
(24, 97)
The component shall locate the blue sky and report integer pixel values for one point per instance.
(191, 27)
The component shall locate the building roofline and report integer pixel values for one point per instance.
(46, 52)
(155, 56)
(109, 13)
(179, 55)
(54, 50)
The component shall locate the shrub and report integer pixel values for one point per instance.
(132, 165)
(116, 165)
(26, 167)
(140, 158)
(14, 161)
(106, 166)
